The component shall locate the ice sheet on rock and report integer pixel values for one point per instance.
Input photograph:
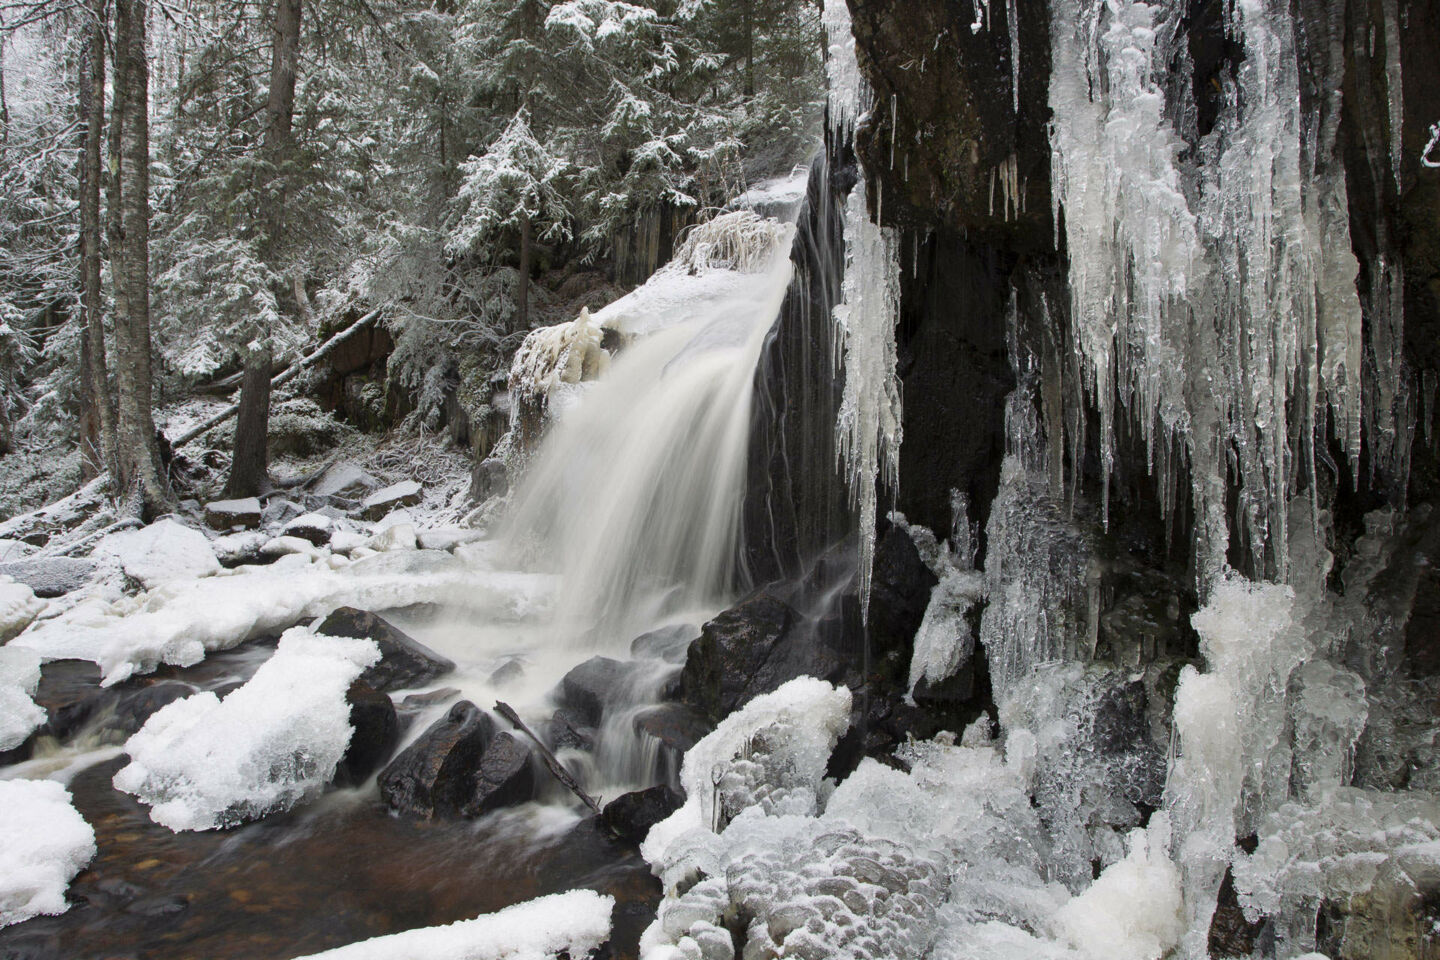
(1333, 850)
(161, 553)
(564, 353)
(945, 640)
(18, 607)
(19, 677)
(564, 924)
(203, 762)
(44, 842)
(180, 622)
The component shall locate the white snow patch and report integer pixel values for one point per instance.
(19, 677)
(44, 842)
(573, 923)
(160, 553)
(18, 607)
(202, 762)
(1133, 911)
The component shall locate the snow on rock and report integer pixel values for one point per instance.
(1134, 909)
(406, 493)
(945, 640)
(160, 553)
(571, 924)
(180, 622)
(226, 514)
(44, 842)
(202, 762)
(19, 677)
(345, 480)
(18, 607)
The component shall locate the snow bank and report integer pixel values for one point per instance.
(179, 622)
(18, 607)
(19, 676)
(160, 553)
(1134, 908)
(573, 924)
(202, 762)
(44, 842)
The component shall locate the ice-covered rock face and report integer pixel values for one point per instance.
(44, 842)
(203, 762)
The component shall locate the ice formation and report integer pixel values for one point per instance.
(555, 358)
(203, 762)
(19, 676)
(868, 429)
(182, 621)
(1102, 922)
(1212, 307)
(44, 842)
(564, 924)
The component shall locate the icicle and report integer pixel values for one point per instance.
(1012, 23)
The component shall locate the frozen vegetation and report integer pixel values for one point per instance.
(43, 843)
(204, 762)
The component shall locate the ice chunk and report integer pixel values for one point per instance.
(1133, 911)
(202, 762)
(946, 639)
(19, 676)
(160, 553)
(564, 924)
(18, 607)
(44, 842)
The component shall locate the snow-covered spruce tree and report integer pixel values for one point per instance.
(515, 189)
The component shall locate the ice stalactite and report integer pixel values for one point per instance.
(1212, 303)
(869, 424)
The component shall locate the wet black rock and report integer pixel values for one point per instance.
(631, 816)
(435, 775)
(404, 662)
(505, 777)
(569, 731)
(508, 672)
(136, 706)
(751, 649)
(678, 728)
(667, 643)
(377, 731)
(594, 685)
(900, 589)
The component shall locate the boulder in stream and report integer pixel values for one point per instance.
(377, 731)
(631, 816)
(505, 777)
(436, 775)
(404, 661)
(593, 686)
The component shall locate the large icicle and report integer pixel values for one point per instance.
(869, 425)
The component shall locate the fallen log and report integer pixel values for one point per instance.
(561, 774)
(280, 379)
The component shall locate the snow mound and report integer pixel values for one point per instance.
(571, 924)
(160, 553)
(180, 622)
(19, 676)
(18, 607)
(44, 842)
(202, 762)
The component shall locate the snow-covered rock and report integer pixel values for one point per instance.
(406, 493)
(315, 527)
(18, 607)
(237, 548)
(571, 924)
(345, 480)
(203, 762)
(227, 514)
(51, 576)
(19, 677)
(399, 537)
(44, 842)
(163, 552)
(286, 546)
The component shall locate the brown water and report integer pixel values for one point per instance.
(297, 883)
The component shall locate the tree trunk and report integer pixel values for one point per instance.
(527, 255)
(749, 48)
(141, 481)
(98, 412)
(248, 469)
